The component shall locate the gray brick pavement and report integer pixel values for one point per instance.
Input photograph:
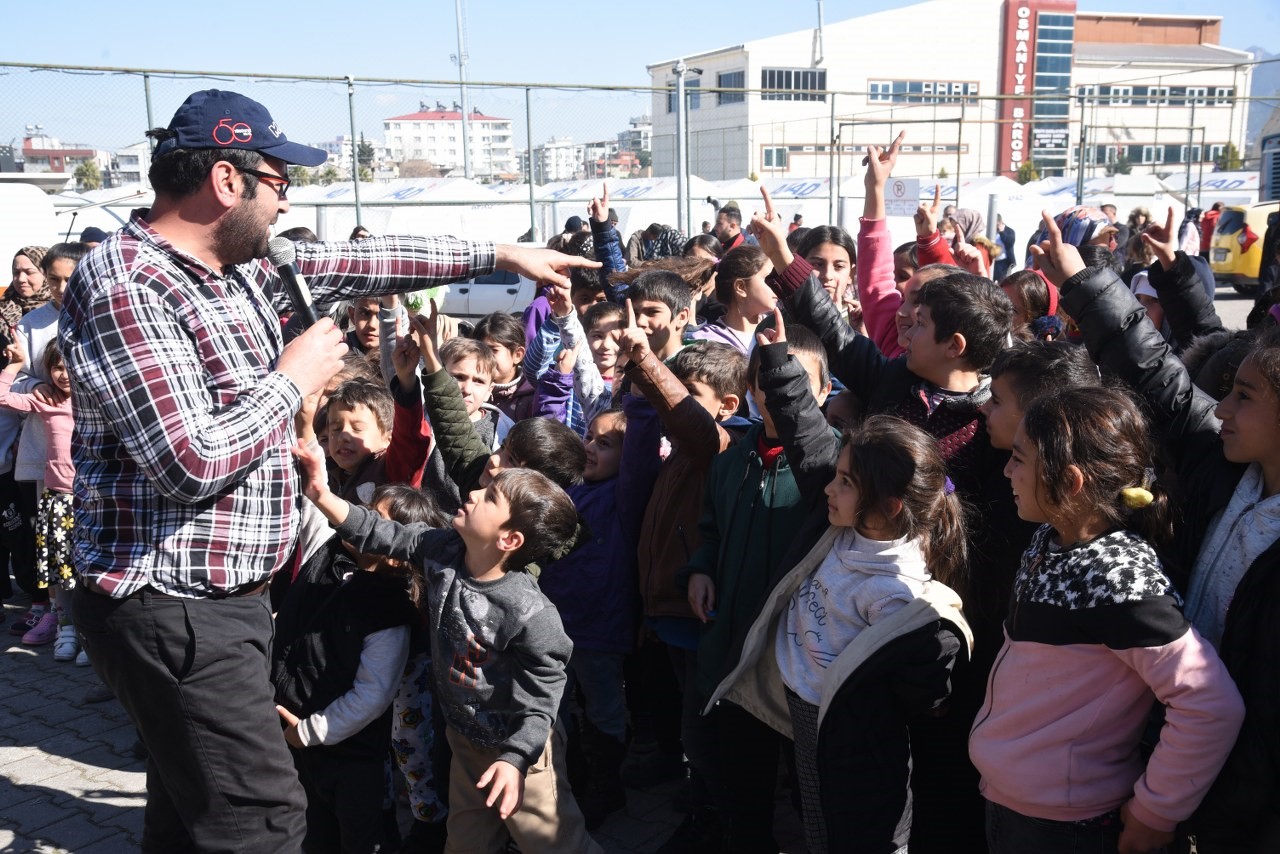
(69, 783)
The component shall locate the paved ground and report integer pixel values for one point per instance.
(69, 783)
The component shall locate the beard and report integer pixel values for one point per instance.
(240, 236)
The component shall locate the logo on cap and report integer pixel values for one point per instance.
(228, 131)
(275, 129)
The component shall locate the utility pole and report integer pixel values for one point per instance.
(461, 59)
(682, 150)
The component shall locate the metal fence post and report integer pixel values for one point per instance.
(355, 144)
(528, 137)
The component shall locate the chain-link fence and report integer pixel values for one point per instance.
(546, 136)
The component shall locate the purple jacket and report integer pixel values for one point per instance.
(718, 332)
(595, 587)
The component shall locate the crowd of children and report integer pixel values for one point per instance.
(971, 564)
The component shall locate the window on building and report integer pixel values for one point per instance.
(1088, 93)
(920, 91)
(794, 84)
(775, 157)
(731, 80)
(1158, 96)
(1215, 152)
(1198, 95)
(1224, 95)
(693, 92)
(1121, 96)
(1153, 154)
(671, 97)
(1195, 154)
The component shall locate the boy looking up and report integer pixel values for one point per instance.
(662, 304)
(498, 651)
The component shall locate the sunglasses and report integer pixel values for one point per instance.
(276, 182)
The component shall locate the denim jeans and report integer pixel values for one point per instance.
(598, 677)
(1010, 832)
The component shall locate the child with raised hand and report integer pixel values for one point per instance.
(877, 273)
(571, 389)
(53, 513)
(754, 504)
(960, 323)
(469, 461)
(1095, 637)
(343, 633)
(498, 651)
(594, 589)
(1226, 552)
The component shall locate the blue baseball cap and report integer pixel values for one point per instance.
(215, 119)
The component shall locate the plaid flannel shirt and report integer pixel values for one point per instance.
(183, 428)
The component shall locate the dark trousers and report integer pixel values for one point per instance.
(746, 777)
(193, 674)
(18, 536)
(1010, 832)
(344, 802)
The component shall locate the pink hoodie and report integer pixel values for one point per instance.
(59, 474)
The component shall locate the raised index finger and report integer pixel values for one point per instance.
(937, 197)
(604, 198)
(768, 203)
(1168, 222)
(631, 315)
(1051, 229)
(897, 142)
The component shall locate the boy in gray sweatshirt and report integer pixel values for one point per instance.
(498, 651)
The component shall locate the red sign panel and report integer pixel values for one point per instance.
(1018, 78)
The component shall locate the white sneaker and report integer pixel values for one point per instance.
(82, 659)
(67, 644)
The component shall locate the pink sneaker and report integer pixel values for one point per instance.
(44, 632)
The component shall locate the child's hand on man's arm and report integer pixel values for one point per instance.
(508, 787)
(291, 729)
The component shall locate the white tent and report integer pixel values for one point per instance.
(1230, 188)
(407, 206)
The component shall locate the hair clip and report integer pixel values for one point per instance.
(1136, 497)
(947, 486)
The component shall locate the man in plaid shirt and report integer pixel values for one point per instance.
(186, 501)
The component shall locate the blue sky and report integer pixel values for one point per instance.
(508, 40)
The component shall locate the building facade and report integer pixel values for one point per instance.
(435, 136)
(1017, 93)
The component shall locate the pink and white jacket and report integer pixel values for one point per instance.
(1094, 638)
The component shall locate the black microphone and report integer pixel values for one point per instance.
(281, 253)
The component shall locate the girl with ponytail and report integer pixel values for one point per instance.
(861, 637)
(1094, 639)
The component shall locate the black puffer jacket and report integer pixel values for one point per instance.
(1242, 810)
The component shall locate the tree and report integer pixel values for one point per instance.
(942, 173)
(645, 157)
(300, 176)
(1028, 172)
(88, 176)
(1120, 166)
(366, 174)
(1230, 159)
(329, 175)
(419, 169)
(364, 153)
